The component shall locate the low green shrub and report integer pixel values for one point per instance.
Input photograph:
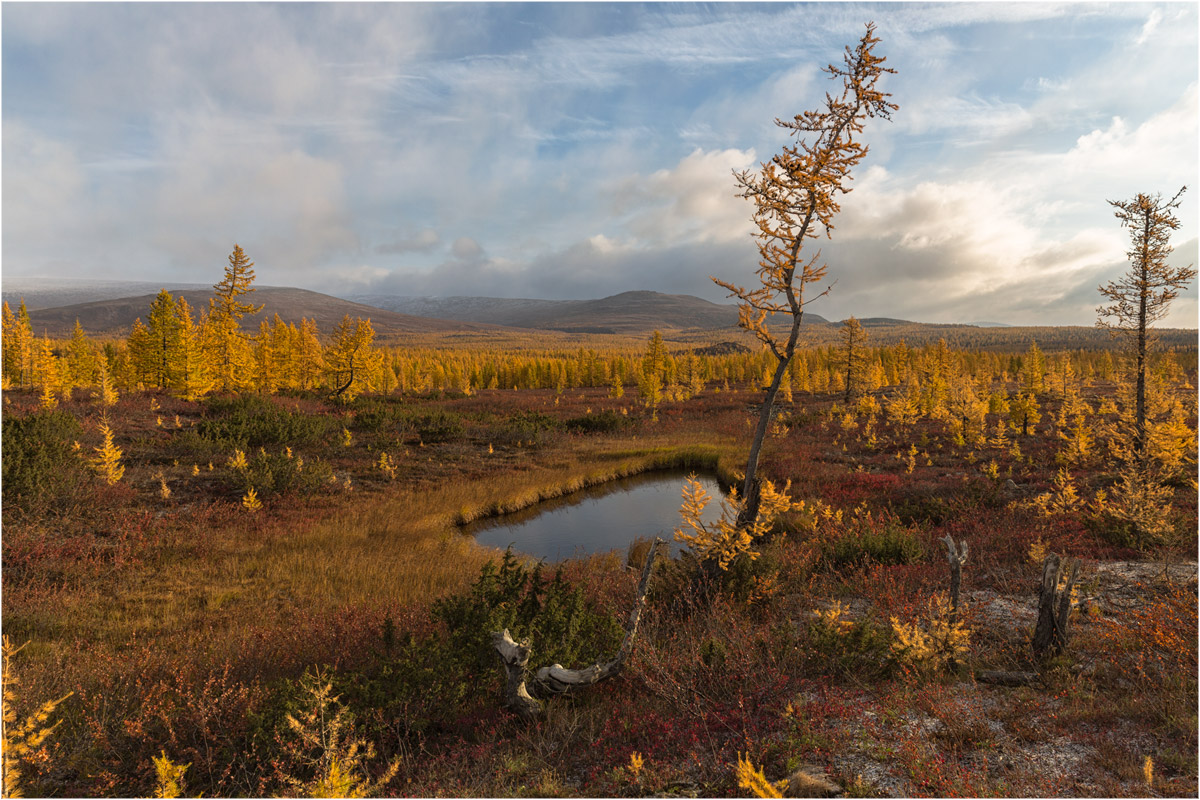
(40, 464)
(563, 626)
(882, 541)
(839, 645)
(527, 427)
(433, 427)
(375, 416)
(280, 473)
(607, 421)
(252, 421)
(920, 507)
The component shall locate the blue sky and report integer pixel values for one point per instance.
(579, 150)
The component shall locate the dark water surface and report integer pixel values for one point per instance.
(595, 520)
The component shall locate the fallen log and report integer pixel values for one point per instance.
(557, 680)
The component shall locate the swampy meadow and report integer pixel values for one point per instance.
(179, 621)
(240, 553)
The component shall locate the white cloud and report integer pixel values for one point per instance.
(693, 201)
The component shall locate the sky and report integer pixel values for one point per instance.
(578, 150)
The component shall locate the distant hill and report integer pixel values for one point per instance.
(880, 322)
(626, 313)
(53, 292)
(116, 317)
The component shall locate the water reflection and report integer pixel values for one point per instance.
(604, 517)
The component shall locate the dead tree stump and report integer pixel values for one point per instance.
(555, 679)
(957, 556)
(1054, 608)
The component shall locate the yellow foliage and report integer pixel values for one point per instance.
(164, 491)
(1062, 500)
(47, 400)
(251, 501)
(108, 460)
(20, 740)
(1037, 552)
(340, 763)
(724, 540)
(387, 466)
(934, 645)
(347, 437)
(635, 765)
(832, 618)
(751, 778)
(169, 776)
(238, 460)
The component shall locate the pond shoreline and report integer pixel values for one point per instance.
(706, 459)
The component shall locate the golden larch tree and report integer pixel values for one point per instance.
(230, 353)
(853, 356)
(164, 342)
(795, 199)
(191, 369)
(1142, 296)
(349, 359)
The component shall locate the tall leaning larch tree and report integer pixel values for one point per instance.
(795, 199)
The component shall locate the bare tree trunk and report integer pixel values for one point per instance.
(956, 556)
(555, 679)
(1054, 608)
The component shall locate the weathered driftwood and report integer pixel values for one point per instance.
(555, 679)
(1053, 631)
(515, 656)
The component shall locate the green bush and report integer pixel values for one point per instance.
(607, 421)
(279, 473)
(252, 421)
(886, 541)
(921, 507)
(40, 466)
(375, 416)
(838, 645)
(437, 426)
(527, 427)
(563, 627)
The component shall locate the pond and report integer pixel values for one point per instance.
(604, 517)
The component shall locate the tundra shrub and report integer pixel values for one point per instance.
(527, 427)
(563, 626)
(279, 473)
(434, 427)
(882, 541)
(40, 465)
(250, 421)
(375, 416)
(607, 421)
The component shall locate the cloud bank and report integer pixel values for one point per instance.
(581, 150)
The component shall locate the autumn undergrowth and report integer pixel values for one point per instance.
(191, 628)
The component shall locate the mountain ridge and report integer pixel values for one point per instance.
(115, 317)
(635, 311)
